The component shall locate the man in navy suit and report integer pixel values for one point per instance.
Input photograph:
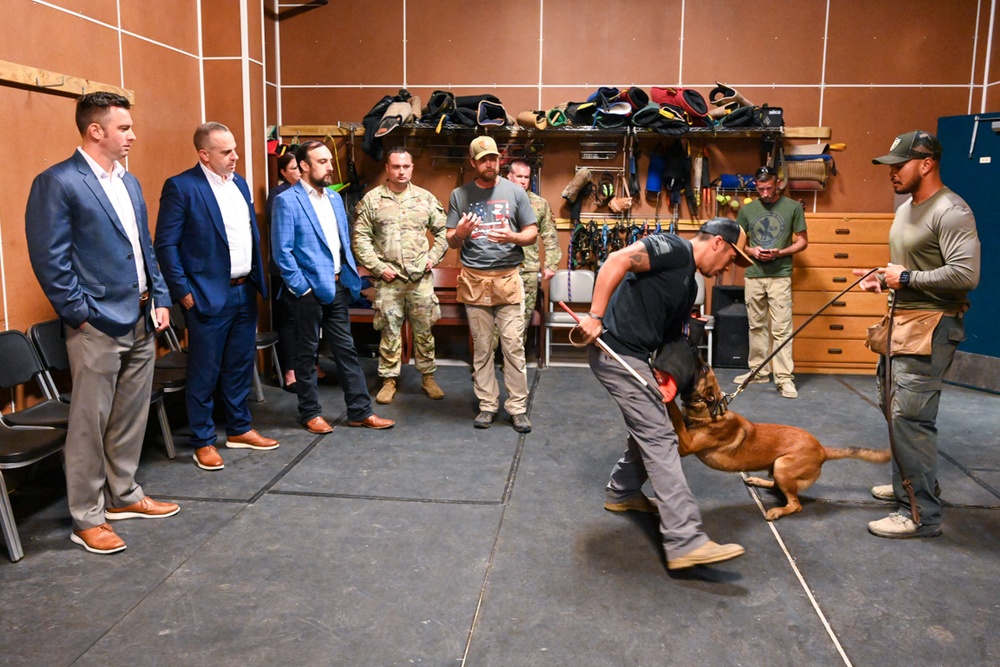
(88, 240)
(311, 244)
(209, 249)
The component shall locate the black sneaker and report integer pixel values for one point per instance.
(521, 423)
(484, 419)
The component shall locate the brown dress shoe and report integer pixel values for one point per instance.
(98, 540)
(208, 458)
(374, 422)
(147, 508)
(250, 440)
(318, 425)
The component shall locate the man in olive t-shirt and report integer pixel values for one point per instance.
(776, 230)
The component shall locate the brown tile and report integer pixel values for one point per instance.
(105, 11)
(443, 51)
(220, 28)
(890, 43)
(169, 22)
(322, 46)
(736, 43)
(224, 97)
(590, 43)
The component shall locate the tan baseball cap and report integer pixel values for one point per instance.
(732, 234)
(481, 146)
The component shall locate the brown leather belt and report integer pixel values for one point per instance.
(143, 300)
(237, 281)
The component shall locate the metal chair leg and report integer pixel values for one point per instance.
(258, 389)
(10, 535)
(168, 436)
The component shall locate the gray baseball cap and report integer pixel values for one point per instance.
(732, 234)
(915, 145)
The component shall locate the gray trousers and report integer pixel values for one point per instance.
(917, 383)
(651, 454)
(112, 378)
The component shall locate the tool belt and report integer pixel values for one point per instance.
(912, 332)
(477, 287)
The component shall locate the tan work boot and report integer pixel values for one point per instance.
(387, 392)
(431, 388)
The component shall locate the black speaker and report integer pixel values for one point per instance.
(732, 336)
(726, 295)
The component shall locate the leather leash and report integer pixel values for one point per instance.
(614, 355)
(728, 398)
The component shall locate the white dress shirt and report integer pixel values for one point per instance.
(327, 220)
(113, 185)
(236, 220)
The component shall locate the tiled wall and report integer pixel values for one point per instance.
(869, 69)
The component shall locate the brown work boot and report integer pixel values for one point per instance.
(98, 540)
(431, 388)
(387, 392)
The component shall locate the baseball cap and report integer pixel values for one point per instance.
(914, 145)
(732, 234)
(481, 146)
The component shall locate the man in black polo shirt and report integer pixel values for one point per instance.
(643, 296)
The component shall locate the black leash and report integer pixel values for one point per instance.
(728, 398)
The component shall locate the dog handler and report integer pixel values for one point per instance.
(934, 263)
(643, 296)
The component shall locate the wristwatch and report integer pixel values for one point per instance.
(904, 278)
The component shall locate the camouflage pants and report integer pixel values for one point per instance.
(529, 277)
(395, 302)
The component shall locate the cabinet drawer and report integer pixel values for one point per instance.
(826, 280)
(852, 303)
(833, 327)
(849, 230)
(846, 255)
(832, 351)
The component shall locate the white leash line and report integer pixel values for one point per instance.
(791, 561)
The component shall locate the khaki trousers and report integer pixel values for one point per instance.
(769, 313)
(509, 319)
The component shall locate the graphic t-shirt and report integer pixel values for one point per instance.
(505, 205)
(771, 226)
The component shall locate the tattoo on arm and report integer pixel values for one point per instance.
(638, 259)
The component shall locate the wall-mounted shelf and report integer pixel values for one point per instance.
(41, 79)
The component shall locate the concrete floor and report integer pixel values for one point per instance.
(437, 544)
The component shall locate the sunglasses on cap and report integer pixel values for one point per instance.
(764, 173)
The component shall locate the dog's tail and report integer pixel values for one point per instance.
(861, 453)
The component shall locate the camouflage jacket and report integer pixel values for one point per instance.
(390, 231)
(546, 234)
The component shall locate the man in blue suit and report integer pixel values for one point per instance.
(209, 249)
(88, 240)
(311, 244)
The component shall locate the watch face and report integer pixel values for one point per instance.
(904, 278)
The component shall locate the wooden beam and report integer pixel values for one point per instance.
(42, 79)
(807, 133)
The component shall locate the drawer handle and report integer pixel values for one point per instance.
(843, 231)
(836, 327)
(840, 255)
(838, 304)
(835, 350)
(840, 279)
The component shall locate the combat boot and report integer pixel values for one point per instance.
(387, 392)
(431, 387)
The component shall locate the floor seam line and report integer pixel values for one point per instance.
(798, 574)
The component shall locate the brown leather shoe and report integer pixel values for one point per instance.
(250, 440)
(318, 425)
(147, 508)
(374, 422)
(98, 540)
(208, 458)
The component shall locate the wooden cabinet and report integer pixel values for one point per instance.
(834, 342)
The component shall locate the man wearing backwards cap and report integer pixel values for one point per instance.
(776, 229)
(491, 220)
(934, 264)
(643, 297)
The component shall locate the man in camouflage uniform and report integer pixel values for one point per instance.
(519, 172)
(390, 240)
